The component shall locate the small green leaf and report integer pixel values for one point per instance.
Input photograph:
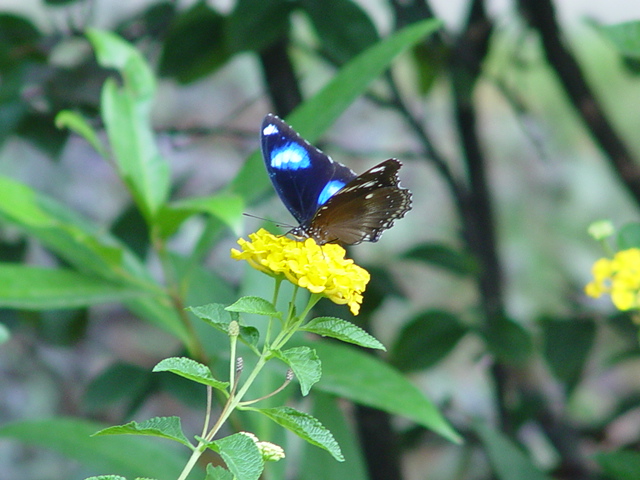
(629, 236)
(192, 370)
(426, 339)
(218, 473)
(508, 461)
(164, 427)
(306, 427)
(254, 305)
(342, 330)
(619, 465)
(5, 334)
(625, 37)
(241, 455)
(36, 288)
(443, 256)
(76, 122)
(216, 315)
(305, 365)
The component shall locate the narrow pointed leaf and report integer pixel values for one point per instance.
(305, 365)
(364, 379)
(164, 427)
(126, 114)
(342, 330)
(37, 288)
(188, 368)
(306, 427)
(77, 123)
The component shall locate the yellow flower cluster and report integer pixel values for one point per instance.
(619, 277)
(319, 269)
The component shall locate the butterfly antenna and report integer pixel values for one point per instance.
(279, 225)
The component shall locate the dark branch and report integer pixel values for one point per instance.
(540, 14)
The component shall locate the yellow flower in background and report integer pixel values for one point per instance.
(618, 277)
(319, 269)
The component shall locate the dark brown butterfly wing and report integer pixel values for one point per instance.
(362, 209)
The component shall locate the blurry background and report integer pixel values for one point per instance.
(512, 247)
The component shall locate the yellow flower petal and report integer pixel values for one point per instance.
(319, 269)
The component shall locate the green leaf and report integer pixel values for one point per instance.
(270, 19)
(443, 256)
(163, 427)
(625, 37)
(218, 473)
(87, 247)
(195, 44)
(254, 305)
(315, 115)
(241, 455)
(342, 40)
(364, 379)
(129, 456)
(127, 121)
(76, 123)
(342, 330)
(114, 52)
(306, 427)
(567, 344)
(629, 236)
(219, 317)
(426, 339)
(619, 465)
(5, 334)
(36, 288)
(509, 341)
(305, 365)
(126, 114)
(508, 461)
(227, 208)
(192, 370)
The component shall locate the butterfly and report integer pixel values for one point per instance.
(329, 201)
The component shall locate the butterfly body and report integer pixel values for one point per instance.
(330, 202)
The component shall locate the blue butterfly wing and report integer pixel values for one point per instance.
(304, 177)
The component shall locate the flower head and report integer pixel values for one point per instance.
(619, 277)
(320, 269)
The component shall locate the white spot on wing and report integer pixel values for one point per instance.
(270, 129)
